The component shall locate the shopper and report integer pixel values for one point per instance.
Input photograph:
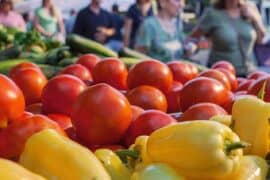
(10, 18)
(135, 16)
(48, 20)
(233, 26)
(94, 23)
(71, 21)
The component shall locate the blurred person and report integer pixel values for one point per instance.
(233, 27)
(10, 18)
(134, 18)
(26, 17)
(71, 21)
(94, 23)
(48, 20)
(161, 36)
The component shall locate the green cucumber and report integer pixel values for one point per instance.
(50, 71)
(84, 45)
(6, 65)
(68, 61)
(126, 52)
(130, 61)
(10, 53)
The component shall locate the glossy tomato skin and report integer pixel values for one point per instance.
(182, 72)
(152, 73)
(35, 108)
(245, 85)
(203, 89)
(136, 112)
(60, 93)
(173, 97)
(147, 97)
(89, 61)
(202, 111)
(12, 101)
(194, 70)
(31, 81)
(257, 74)
(231, 77)
(241, 80)
(111, 71)
(217, 75)
(62, 120)
(147, 123)
(101, 115)
(21, 66)
(25, 115)
(79, 71)
(226, 65)
(257, 85)
(13, 138)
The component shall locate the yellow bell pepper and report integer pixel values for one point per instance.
(57, 157)
(251, 122)
(113, 164)
(140, 146)
(223, 119)
(12, 171)
(156, 172)
(197, 149)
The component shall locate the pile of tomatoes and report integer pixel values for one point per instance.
(100, 103)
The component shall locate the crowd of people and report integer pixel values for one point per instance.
(156, 28)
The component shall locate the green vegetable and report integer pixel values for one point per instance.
(68, 61)
(126, 52)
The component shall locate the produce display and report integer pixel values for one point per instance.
(79, 111)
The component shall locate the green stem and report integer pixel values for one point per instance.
(125, 153)
(236, 145)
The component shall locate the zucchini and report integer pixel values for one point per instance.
(34, 57)
(83, 45)
(126, 52)
(55, 55)
(10, 53)
(68, 61)
(6, 65)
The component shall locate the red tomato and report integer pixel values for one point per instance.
(215, 74)
(148, 97)
(202, 111)
(34, 108)
(257, 74)
(136, 112)
(11, 101)
(240, 93)
(25, 115)
(229, 104)
(257, 85)
(111, 71)
(194, 69)
(231, 77)
(226, 65)
(173, 97)
(20, 66)
(89, 61)
(245, 85)
(71, 133)
(203, 89)
(147, 123)
(101, 115)
(60, 93)
(240, 80)
(152, 73)
(31, 81)
(13, 138)
(182, 72)
(79, 71)
(62, 120)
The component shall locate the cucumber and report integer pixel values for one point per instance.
(84, 45)
(6, 65)
(50, 71)
(10, 53)
(34, 57)
(55, 55)
(126, 52)
(68, 61)
(130, 61)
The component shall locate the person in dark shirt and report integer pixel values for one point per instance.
(94, 23)
(135, 16)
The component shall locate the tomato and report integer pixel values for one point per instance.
(202, 111)
(71, 133)
(11, 101)
(257, 74)
(152, 73)
(173, 97)
(245, 85)
(194, 69)
(101, 115)
(147, 123)
(25, 115)
(136, 112)
(31, 81)
(257, 85)
(240, 80)
(60, 93)
(231, 77)
(203, 89)
(240, 93)
(89, 61)
(147, 97)
(226, 65)
(229, 104)
(215, 74)
(62, 120)
(182, 72)
(13, 138)
(111, 71)
(79, 71)
(23, 65)
(34, 108)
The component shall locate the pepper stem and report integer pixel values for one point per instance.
(236, 145)
(125, 153)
